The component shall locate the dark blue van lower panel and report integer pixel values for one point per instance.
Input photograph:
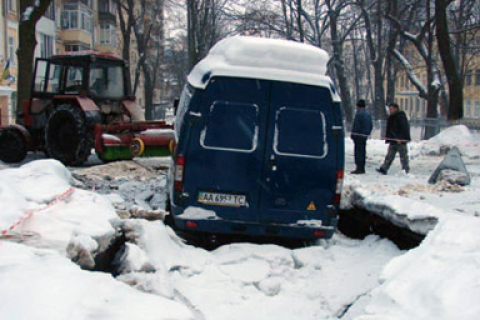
(230, 227)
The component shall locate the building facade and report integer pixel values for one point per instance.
(406, 95)
(8, 60)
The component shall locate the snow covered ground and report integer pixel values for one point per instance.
(163, 278)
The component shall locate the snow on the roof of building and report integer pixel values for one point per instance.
(262, 58)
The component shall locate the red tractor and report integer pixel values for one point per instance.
(79, 102)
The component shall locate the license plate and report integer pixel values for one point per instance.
(222, 199)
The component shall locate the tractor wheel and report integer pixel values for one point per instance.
(13, 147)
(67, 137)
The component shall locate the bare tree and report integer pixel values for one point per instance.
(204, 27)
(31, 11)
(455, 109)
(126, 19)
(144, 20)
(418, 32)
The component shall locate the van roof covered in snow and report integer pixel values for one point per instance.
(261, 58)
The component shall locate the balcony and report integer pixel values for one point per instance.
(76, 36)
(106, 11)
(106, 16)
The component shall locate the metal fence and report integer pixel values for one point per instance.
(418, 127)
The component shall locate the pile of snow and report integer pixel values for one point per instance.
(452, 136)
(42, 284)
(37, 279)
(438, 280)
(59, 211)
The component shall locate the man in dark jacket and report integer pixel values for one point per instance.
(361, 129)
(397, 135)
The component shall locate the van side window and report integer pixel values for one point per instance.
(231, 126)
(182, 108)
(300, 133)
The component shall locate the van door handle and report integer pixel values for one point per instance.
(337, 131)
(194, 116)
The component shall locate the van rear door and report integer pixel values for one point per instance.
(299, 173)
(224, 154)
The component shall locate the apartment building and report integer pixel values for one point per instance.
(471, 92)
(408, 99)
(8, 61)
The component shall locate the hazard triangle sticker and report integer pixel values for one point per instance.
(311, 206)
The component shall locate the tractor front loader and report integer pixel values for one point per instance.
(81, 101)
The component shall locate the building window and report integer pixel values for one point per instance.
(46, 45)
(467, 114)
(476, 113)
(76, 17)
(11, 50)
(477, 78)
(11, 5)
(108, 34)
(468, 78)
(76, 47)
(50, 12)
(107, 6)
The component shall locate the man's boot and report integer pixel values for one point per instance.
(359, 170)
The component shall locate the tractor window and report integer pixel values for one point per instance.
(74, 79)
(40, 78)
(106, 81)
(53, 84)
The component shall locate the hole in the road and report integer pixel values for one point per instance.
(355, 223)
(358, 223)
(105, 261)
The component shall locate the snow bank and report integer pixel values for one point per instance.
(44, 285)
(438, 280)
(58, 211)
(452, 136)
(37, 280)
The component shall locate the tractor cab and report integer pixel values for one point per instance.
(98, 76)
(80, 101)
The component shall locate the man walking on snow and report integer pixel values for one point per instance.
(397, 134)
(361, 129)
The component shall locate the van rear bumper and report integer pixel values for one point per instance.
(231, 227)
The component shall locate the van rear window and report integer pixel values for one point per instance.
(231, 126)
(300, 133)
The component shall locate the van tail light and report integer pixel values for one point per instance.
(191, 224)
(338, 188)
(179, 172)
(319, 233)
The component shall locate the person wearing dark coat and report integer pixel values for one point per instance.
(361, 129)
(397, 135)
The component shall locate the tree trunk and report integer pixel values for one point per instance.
(26, 52)
(380, 110)
(299, 21)
(192, 24)
(337, 44)
(432, 114)
(26, 49)
(455, 104)
(148, 93)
